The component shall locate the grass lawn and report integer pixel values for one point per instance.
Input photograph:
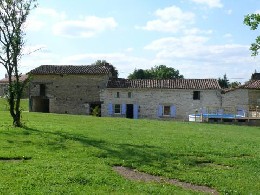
(66, 154)
(4, 104)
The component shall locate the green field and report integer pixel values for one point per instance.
(4, 104)
(66, 154)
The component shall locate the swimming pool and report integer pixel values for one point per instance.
(199, 117)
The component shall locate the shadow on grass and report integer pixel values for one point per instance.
(129, 154)
(123, 154)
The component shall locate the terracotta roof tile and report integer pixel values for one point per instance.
(70, 69)
(22, 78)
(255, 84)
(164, 84)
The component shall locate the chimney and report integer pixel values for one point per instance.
(255, 76)
(6, 76)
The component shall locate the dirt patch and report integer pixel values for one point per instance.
(139, 176)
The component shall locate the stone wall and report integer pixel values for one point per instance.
(254, 97)
(235, 99)
(149, 100)
(70, 94)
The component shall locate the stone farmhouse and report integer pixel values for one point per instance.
(175, 98)
(80, 89)
(67, 89)
(4, 86)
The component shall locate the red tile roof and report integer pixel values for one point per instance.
(22, 78)
(70, 69)
(255, 84)
(165, 84)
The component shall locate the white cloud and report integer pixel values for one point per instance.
(174, 13)
(210, 3)
(196, 58)
(130, 49)
(48, 12)
(57, 21)
(170, 19)
(195, 31)
(229, 12)
(87, 27)
(124, 62)
(228, 36)
(41, 17)
(194, 48)
(34, 24)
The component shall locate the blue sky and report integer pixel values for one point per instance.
(200, 38)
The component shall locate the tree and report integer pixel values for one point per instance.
(105, 63)
(157, 72)
(223, 82)
(140, 74)
(164, 72)
(234, 84)
(13, 15)
(253, 20)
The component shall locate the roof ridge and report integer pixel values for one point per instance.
(71, 69)
(164, 83)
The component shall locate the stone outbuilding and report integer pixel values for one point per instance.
(167, 99)
(4, 83)
(245, 98)
(68, 88)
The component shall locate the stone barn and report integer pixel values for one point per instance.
(67, 88)
(165, 99)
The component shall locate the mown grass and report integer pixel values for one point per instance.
(5, 107)
(66, 154)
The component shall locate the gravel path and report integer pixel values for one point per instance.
(139, 176)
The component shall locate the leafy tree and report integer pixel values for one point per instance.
(253, 20)
(234, 84)
(223, 82)
(164, 72)
(140, 74)
(105, 63)
(13, 16)
(157, 72)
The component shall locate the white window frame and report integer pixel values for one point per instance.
(164, 110)
(116, 109)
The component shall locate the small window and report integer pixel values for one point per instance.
(42, 90)
(129, 94)
(166, 110)
(117, 108)
(196, 95)
(117, 95)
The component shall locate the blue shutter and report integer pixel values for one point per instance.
(123, 108)
(160, 111)
(135, 111)
(110, 109)
(173, 111)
